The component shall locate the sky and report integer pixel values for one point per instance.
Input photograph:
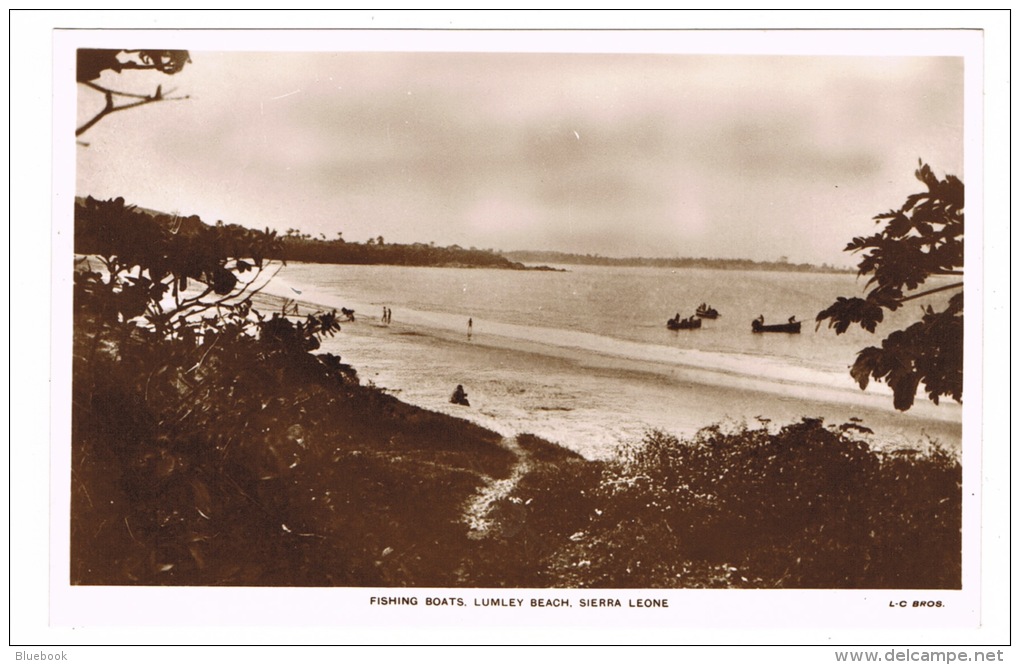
(619, 154)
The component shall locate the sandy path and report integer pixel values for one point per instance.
(477, 509)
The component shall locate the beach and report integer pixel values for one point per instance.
(591, 400)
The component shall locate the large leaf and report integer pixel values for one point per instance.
(846, 311)
(922, 239)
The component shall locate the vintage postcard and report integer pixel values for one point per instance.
(476, 329)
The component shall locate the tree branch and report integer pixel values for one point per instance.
(116, 93)
(195, 306)
(106, 111)
(931, 291)
(111, 107)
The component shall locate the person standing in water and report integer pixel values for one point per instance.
(470, 326)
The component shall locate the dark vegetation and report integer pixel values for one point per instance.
(301, 247)
(808, 506)
(210, 446)
(92, 63)
(921, 240)
(213, 445)
(567, 258)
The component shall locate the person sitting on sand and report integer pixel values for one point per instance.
(459, 396)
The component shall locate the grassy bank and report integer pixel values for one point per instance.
(254, 473)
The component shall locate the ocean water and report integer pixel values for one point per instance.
(584, 357)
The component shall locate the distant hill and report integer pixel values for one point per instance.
(530, 256)
(302, 247)
(311, 250)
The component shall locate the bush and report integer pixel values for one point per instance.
(550, 504)
(210, 446)
(806, 507)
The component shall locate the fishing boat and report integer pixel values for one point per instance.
(683, 324)
(758, 326)
(706, 312)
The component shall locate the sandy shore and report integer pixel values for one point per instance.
(586, 402)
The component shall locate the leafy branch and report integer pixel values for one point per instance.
(168, 254)
(920, 240)
(92, 63)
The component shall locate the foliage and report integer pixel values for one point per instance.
(210, 446)
(171, 367)
(245, 461)
(921, 240)
(804, 506)
(808, 506)
(301, 247)
(92, 63)
(150, 261)
(533, 525)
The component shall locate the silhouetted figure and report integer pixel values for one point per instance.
(459, 396)
(761, 319)
(471, 324)
(792, 319)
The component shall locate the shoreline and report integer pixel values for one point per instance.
(592, 403)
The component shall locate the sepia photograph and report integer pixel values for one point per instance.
(503, 327)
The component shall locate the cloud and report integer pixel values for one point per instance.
(721, 155)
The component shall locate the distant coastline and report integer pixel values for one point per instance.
(379, 252)
(533, 256)
(298, 246)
